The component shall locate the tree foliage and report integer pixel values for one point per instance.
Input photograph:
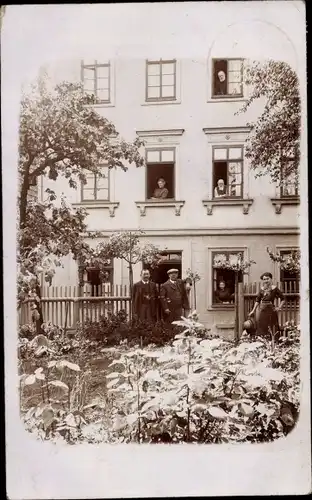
(289, 262)
(274, 140)
(60, 136)
(126, 245)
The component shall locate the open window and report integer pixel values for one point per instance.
(160, 174)
(227, 171)
(98, 278)
(223, 282)
(227, 80)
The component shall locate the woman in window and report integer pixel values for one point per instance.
(267, 322)
(161, 192)
(220, 189)
(223, 295)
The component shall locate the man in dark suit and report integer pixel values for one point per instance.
(173, 297)
(144, 296)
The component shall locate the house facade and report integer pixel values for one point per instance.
(184, 109)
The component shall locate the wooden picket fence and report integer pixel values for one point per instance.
(65, 306)
(291, 309)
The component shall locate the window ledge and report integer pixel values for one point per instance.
(243, 202)
(110, 206)
(158, 103)
(221, 307)
(227, 99)
(143, 205)
(285, 200)
(101, 105)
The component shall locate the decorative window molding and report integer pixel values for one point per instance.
(226, 134)
(98, 78)
(278, 203)
(162, 82)
(160, 136)
(241, 202)
(143, 205)
(99, 205)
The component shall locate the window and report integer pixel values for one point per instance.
(289, 278)
(223, 282)
(228, 171)
(289, 177)
(96, 278)
(227, 78)
(160, 166)
(97, 187)
(161, 80)
(96, 79)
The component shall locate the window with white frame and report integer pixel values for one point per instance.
(96, 79)
(227, 171)
(161, 80)
(223, 278)
(160, 174)
(97, 186)
(227, 78)
(98, 278)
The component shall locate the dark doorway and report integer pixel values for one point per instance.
(159, 275)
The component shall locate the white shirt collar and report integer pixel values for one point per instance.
(145, 282)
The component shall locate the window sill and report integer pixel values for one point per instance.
(143, 205)
(222, 307)
(278, 203)
(242, 202)
(227, 99)
(160, 103)
(89, 205)
(101, 105)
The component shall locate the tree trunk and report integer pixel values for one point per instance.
(236, 332)
(23, 200)
(39, 306)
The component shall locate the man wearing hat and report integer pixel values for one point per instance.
(173, 297)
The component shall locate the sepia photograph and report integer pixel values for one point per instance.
(159, 181)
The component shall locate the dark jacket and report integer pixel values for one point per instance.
(144, 298)
(173, 296)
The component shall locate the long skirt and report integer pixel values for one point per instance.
(267, 320)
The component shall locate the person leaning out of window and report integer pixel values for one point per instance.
(161, 192)
(267, 321)
(220, 190)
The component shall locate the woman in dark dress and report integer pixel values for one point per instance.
(223, 295)
(267, 321)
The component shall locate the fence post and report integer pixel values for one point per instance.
(76, 312)
(241, 308)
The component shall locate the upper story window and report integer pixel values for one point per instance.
(97, 187)
(160, 174)
(161, 80)
(227, 171)
(96, 79)
(289, 180)
(227, 80)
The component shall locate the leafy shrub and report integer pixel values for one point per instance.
(115, 328)
(203, 391)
